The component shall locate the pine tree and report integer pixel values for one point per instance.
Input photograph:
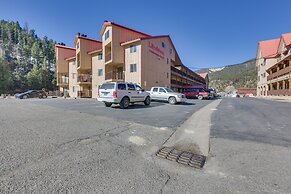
(5, 77)
(34, 78)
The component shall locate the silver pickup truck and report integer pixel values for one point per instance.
(166, 94)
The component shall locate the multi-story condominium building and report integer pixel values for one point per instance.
(123, 55)
(267, 51)
(274, 72)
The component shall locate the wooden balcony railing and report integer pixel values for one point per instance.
(283, 92)
(107, 57)
(85, 94)
(114, 75)
(63, 81)
(279, 73)
(186, 76)
(84, 78)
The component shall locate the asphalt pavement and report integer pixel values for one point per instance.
(159, 114)
(79, 146)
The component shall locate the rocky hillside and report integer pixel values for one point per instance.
(238, 75)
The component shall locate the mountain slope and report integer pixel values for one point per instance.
(238, 75)
(29, 61)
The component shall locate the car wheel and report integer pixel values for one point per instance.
(107, 104)
(147, 101)
(24, 97)
(200, 97)
(124, 103)
(172, 100)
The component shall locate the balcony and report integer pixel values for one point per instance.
(84, 94)
(108, 52)
(114, 76)
(63, 81)
(190, 78)
(84, 78)
(283, 92)
(108, 57)
(279, 73)
(175, 83)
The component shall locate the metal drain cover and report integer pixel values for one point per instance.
(182, 157)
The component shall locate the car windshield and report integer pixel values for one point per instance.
(168, 89)
(108, 86)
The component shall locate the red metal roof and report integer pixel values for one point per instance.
(65, 47)
(269, 48)
(143, 38)
(287, 38)
(124, 27)
(203, 74)
(90, 39)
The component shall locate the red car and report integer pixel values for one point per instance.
(196, 92)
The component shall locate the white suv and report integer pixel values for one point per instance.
(122, 93)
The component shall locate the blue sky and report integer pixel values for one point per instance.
(206, 33)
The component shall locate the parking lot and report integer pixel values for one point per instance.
(80, 146)
(68, 145)
(159, 114)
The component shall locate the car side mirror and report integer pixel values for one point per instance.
(142, 90)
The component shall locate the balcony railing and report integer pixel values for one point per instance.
(85, 78)
(114, 75)
(284, 92)
(63, 81)
(279, 73)
(186, 76)
(107, 57)
(85, 94)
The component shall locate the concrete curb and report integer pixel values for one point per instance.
(276, 98)
(193, 134)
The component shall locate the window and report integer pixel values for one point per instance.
(130, 87)
(163, 45)
(74, 75)
(169, 90)
(162, 90)
(167, 61)
(73, 88)
(100, 72)
(132, 48)
(107, 35)
(138, 88)
(171, 51)
(132, 67)
(155, 90)
(100, 56)
(121, 87)
(108, 86)
(167, 74)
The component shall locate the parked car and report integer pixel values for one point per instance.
(212, 92)
(196, 92)
(31, 94)
(122, 93)
(166, 94)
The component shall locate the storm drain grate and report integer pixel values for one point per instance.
(182, 157)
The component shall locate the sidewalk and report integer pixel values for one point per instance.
(276, 98)
(193, 134)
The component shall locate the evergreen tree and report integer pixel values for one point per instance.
(34, 78)
(5, 77)
(31, 60)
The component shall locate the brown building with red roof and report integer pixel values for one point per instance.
(124, 54)
(274, 71)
